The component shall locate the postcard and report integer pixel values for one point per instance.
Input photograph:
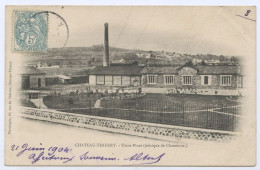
(130, 85)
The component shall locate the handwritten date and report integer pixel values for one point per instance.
(64, 154)
(41, 153)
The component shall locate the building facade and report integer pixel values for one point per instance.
(188, 79)
(116, 76)
(32, 78)
(212, 80)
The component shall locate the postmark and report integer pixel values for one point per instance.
(30, 32)
(58, 33)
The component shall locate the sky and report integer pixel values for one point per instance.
(192, 30)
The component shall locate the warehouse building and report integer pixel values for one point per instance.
(116, 76)
(32, 78)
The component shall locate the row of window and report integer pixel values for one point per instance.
(117, 80)
(187, 80)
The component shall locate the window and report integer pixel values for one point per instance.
(169, 79)
(25, 82)
(117, 80)
(151, 79)
(206, 80)
(100, 80)
(187, 80)
(108, 80)
(225, 80)
(240, 81)
(125, 80)
(39, 83)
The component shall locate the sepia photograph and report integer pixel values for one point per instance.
(130, 85)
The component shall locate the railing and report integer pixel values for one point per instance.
(198, 114)
(127, 127)
(218, 116)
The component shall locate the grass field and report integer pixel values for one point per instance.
(210, 112)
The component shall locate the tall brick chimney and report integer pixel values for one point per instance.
(106, 61)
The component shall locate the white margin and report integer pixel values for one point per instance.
(117, 2)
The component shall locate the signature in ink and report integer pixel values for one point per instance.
(145, 158)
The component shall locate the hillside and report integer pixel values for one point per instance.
(76, 55)
(91, 56)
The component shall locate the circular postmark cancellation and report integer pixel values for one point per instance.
(58, 31)
(31, 31)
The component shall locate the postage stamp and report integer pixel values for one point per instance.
(30, 31)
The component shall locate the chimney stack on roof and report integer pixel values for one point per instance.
(106, 61)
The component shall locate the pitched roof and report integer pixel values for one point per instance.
(217, 69)
(187, 65)
(159, 70)
(31, 70)
(116, 70)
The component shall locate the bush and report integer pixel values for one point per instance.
(72, 93)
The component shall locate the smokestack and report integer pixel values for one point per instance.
(106, 61)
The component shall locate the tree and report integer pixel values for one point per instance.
(153, 55)
(234, 59)
(203, 63)
(188, 63)
(221, 58)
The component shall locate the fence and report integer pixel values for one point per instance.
(208, 116)
(150, 130)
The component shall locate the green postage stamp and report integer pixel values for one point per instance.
(30, 31)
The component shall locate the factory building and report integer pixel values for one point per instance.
(188, 78)
(211, 80)
(114, 75)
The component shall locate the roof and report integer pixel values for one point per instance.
(31, 70)
(216, 69)
(63, 77)
(30, 91)
(117, 70)
(186, 65)
(159, 70)
(219, 69)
